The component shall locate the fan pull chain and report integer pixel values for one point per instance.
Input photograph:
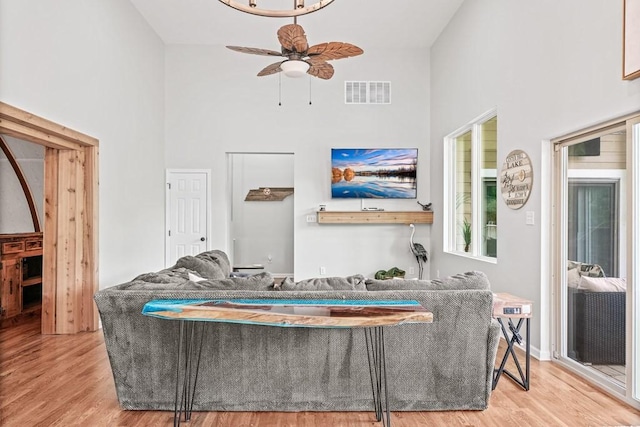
(280, 89)
(309, 90)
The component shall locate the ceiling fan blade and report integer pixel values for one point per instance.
(271, 69)
(322, 70)
(292, 38)
(255, 51)
(334, 50)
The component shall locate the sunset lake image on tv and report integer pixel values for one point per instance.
(388, 173)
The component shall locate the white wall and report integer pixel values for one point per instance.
(15, 215)
(215, 104)
(550, 68)
(98, 68)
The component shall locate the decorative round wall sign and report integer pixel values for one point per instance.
(516, 179)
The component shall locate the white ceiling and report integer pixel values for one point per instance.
(365, 23)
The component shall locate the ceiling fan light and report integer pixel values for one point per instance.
(294, 68)
(299, 8)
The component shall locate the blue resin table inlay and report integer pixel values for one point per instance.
(333, 313)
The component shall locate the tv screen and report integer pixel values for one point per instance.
(381, 173)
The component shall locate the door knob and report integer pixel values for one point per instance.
(202, 239)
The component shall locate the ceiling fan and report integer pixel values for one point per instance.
(300, 58)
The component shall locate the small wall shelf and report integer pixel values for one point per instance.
(375, 217)
(268, 194)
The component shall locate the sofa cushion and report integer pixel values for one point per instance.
(351, 283)
(469, 280)
(209, 265)
(602, 284)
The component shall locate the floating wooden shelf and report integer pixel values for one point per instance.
(375, 217)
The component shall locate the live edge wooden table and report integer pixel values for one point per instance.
(371, 316)
(512, 307)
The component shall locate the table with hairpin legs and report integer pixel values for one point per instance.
(507, 306)
(371, 316)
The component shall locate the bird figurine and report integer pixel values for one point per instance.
(425, 207)
(419, 252)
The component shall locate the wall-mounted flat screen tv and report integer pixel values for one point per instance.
(379, 173)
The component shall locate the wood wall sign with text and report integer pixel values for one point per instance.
(516, 179)
(268, 194)
(631, 40)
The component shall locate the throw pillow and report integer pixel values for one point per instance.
(573, 264)
(602, 284)
(349, 283)
(573, 278)
(468, 280)
(590, 270)
(201, 265)
(218, 258)
(196, 278)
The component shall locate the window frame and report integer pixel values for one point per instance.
(478, 176)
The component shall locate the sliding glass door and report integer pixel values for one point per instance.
(594, 249)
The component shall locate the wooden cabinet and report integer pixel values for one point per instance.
(11, 292)
(20, 274)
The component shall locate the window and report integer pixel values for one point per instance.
(592, 223)
(471, 188)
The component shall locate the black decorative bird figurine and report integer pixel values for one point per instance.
(419, 251)
(425, 207)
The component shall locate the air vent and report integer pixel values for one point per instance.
(367, 92)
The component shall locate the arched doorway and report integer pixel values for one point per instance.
(70, 232)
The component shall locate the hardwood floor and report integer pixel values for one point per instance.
(65, 380)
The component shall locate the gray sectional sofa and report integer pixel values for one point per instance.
(445, 365)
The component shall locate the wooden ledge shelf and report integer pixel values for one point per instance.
(375, 217)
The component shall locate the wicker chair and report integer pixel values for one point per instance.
(597, 327)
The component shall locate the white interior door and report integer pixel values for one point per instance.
(187, 214)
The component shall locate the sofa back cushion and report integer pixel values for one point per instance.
(602, 284)
(349, 283)
(462, 281)
(156, 282)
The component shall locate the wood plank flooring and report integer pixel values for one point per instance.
(65, 380)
